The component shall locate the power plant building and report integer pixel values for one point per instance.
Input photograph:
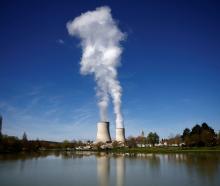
(103, 133)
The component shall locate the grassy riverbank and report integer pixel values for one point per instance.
(156, 150)
(166, 149)
(11, 144)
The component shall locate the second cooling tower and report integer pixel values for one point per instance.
(103, 134)
(120, 134)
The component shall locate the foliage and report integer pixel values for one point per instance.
(218, 138)
(131, 142)
(14, 144)
(175, 140)
(115, 144)
(199, 136)
(141, 140)
(10, 143)
(152, 138)
(98, 145)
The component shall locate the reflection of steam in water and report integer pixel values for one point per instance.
(103, 168)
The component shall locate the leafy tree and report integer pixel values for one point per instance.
(141, 140)
(195, 140)
(205, 126)
(10, 144)
(208, 135)
(175, 140)
(152, 138)
(186, 136)
(186, 132)
(66, 144)
(218, 138)
(202, 135)
(207, 138)
(131, 142)
(196, 129)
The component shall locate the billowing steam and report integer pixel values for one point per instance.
(100, 39)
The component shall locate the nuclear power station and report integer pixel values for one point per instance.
(101, 57)
(103, 133)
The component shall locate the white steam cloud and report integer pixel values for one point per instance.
(100, 38)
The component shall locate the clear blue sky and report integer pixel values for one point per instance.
(170, 70)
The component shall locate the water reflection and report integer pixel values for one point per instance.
(114, 169)
(110, 164)
(46, 154)
(103, 169)
(120, 170)
(204, 165)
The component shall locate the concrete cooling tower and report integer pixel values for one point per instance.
(120, 135)
(103, 134)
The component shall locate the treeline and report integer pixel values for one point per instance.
(14, 144)
(200, 136)
(141, 141)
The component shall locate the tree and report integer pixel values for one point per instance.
(218, 138)
(186, 132)
(186, 136)
(152, 138)
(202, 135)
(207, 138)
(131, 142)
(195, 140)
(208, 135)
(174, 140)
(65, 144)
(140, 140)
(196, 129)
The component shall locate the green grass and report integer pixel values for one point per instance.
(166, 149)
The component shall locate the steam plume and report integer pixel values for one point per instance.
(100, 39)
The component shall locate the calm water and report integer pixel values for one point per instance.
(61, 169)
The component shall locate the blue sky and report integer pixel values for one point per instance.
(170, 72)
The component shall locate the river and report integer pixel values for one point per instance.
(101, 169)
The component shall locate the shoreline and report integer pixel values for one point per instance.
(160, 150)
(148, 150)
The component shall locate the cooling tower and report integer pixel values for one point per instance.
(103, 134)
(120, 134)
